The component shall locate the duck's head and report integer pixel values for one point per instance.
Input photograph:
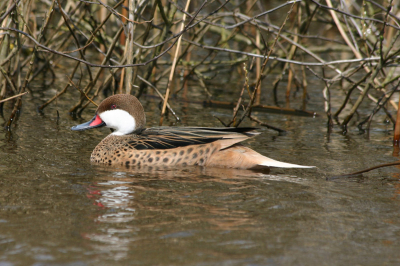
(121, 112)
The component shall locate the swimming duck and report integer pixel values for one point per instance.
(132, 144)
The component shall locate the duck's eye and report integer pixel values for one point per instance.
(113, 106)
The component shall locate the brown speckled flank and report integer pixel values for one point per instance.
(131, 144)
(116, 150)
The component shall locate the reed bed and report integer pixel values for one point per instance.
(133, 47)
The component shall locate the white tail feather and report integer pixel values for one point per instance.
(238, 156)
(273, 163)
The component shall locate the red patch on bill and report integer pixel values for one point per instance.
(96, 121)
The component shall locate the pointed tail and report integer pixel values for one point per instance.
(273, 163)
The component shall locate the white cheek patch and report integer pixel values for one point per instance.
(120, 120)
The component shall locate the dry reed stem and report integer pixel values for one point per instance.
(129, 51)
(396, 134)
(171, 76)
(240, 99)
(12, 97)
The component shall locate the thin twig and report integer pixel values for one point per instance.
(81, 91)
(12, 97)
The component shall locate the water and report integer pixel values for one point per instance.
(58, 209)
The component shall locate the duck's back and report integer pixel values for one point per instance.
(169, 146)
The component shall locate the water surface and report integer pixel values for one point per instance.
(58, 209)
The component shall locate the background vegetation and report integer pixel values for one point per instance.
(130, 46)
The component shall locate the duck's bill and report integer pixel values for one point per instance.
(95, 122)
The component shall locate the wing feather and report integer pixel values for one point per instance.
(173, 137)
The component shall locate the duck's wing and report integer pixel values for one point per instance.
(174, 137)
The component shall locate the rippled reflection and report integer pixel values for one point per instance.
(143, 204)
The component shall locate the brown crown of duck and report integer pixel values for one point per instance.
(125, 102)
(132, 144)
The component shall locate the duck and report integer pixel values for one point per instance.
(131, 144)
